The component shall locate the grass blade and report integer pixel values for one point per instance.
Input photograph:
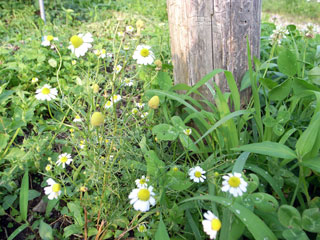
(24, 192)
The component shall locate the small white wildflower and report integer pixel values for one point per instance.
(108, 104)
(234, 184)
(142, 198)
(115, 98)
(46, 93)
(211, 224)
(34, 80)
(142, 228)
(53, 190)
(142, 182)
(46, 40)
(129, 29)
(197, 174)
(64, 159)
(143, 55)
(77, 119)
(118, 68)
(187, 131)
(80, 44)
(140, 105)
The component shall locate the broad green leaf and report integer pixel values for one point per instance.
(287, 62)
(294, 234)
(271, 149)
(278, 129)
(187, 143)
(3, 140)
(18, 231)
(72, 229)
(177, 180)
(161, 233)
(8, 201)
(154, 164)
(75, 209)
(51, 204)
(45, 231)
(281, 91)
(33, 194)
(306, 141)
(268, 83)
(274, 184)
(314, 75)
(289, 217)
(240, 162)
(300, 86)
(254, 224)
(164, 81)
(24, 192)
(311, 220)
(264, 202)
(165, 132)
(313, 164)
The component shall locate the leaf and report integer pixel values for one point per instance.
(268, 83)
(165, 132)
(274, 184)
(313, 164)
(289, 217)
(177, 180)
(75, 210)
(271, 149)
(24, 195)
(281, 91)
(193, 225)
(314, 75)
(72, 229)
(306, 141)
(300, 86)
(187, 143)
(45, 231)
(287, 62)
(154, 164)
(294, 234)
(240, 162)
(254, 224)
(161, 233)
(8, 201)
(311, 220)
(51, 204)
(18, 231)
(164, 81)
(264, 202)
(3, 140)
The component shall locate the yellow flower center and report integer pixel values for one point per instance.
(48, 167)
(144, 52)
(144, 195)
(63, 159)
(197, 174)
(103, 51)
(234, 182)
(45, 91)
(49, 38)
(215, 224)
(175, 169)
(76, 41)
(141, 228)
(142, 181)
(56, 187)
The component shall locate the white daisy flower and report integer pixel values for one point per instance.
(142, 198)
(140, 105)
(142, 182)
(46, 93)
(48, 167)
(74, 62)
(197, 174)
(142, 228)
(46, 40)
(187, 131)
(115, 98)
(53, 190)
(143, 55)
(64, 158)
(34, 80)
(118, 68)
(211, 224)
(234, 184)
(108, 104)
(129, 29)
(128, 82)
(109, 55)
(80, 44)
(77, 119)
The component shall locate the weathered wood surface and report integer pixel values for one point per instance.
(210, 34)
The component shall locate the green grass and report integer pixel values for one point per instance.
(299, 10)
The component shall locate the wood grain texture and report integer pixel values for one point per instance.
(210, 34)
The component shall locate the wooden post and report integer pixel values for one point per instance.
(210, 34)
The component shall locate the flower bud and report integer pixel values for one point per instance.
(97, 119)
(154, 102)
